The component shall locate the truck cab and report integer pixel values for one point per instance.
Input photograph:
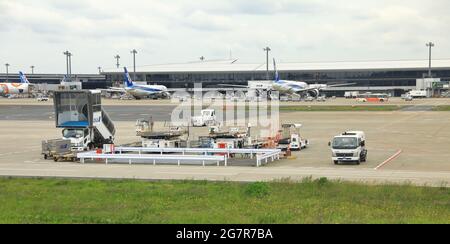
(349, 147)
(79, 138)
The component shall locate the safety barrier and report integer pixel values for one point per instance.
(148, 158)
(252, 152)
(275, 155)
(202, 155)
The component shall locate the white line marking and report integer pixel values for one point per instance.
(12, 153)
(389, 159)
(36, 170)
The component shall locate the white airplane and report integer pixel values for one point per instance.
(140, 91)
(16, 88)
(294, 87)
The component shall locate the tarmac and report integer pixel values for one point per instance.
(116, 112)
(160, 110)
(404, 146)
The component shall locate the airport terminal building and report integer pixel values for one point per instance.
(395, 77)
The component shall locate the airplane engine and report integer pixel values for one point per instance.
(314, 93)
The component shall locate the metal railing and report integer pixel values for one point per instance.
(275, 155)
(202, 155)
(205, 151)
(148, 158)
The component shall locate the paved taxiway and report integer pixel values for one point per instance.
(117, 113)
(160, 110)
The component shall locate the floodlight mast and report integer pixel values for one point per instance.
(134, 52)
(267, 50)
(430, 45)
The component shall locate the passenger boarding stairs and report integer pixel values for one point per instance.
(106, 129)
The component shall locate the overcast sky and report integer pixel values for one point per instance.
(172, 31)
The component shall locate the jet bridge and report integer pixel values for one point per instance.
(82, 110)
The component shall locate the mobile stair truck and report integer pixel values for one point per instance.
(349, 147)
(83, 120)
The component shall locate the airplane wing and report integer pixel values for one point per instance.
(236, 86)
(199, 89)
(339, 85)
(304, 90)
(186, 90)
(114, 89)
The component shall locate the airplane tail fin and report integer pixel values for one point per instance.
(127, 79)
(277, 76)
(23, 78)
(64, 79)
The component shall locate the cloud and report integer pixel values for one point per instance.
(178, 30)
(203, 21)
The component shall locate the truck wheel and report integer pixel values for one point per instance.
(358, 162)
(363, 157)
(336, 162)
(45, 156)
(91, 146)
(55, 159)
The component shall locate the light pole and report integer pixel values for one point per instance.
(66, 53)
(429, 45)
(134, 52)
(267, 50)
(32, 69)
(68, 65)
(7, 71)
(117, 57)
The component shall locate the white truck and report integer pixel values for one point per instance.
(418, 94)
(350, 95)
(207, 118)
(349, 147)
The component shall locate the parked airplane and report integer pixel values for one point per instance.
(16, 88)
(140, 91)
(294, 87)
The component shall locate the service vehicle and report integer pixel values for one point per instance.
(83, 120)
(374, 98)
(58, 149)
(418, 94)
(349, 147)
(291, 138)
(207, 118)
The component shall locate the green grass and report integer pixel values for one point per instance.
(442, 108)
(325, 108)
(321, 201)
